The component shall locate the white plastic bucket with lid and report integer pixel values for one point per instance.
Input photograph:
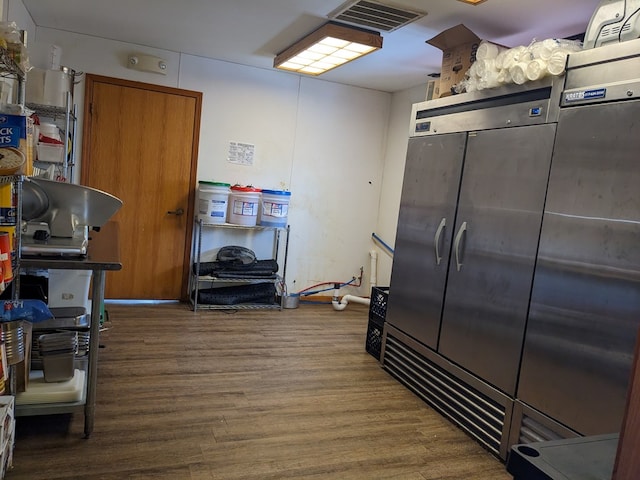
(244, 204)
(48, 130)
(275, 208)
(213, 200)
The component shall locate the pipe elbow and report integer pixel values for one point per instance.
(342, 304)
(335, 301)
(339, 306)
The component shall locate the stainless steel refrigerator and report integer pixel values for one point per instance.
(514, 302)
(585, 305)
(466, 243)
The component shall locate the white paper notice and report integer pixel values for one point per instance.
(241, 153)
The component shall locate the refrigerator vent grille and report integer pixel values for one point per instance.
(474, 412)
(376, 15)
(533, 431)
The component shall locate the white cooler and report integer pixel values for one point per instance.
(69, 288)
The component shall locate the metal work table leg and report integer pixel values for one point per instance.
(97, 296)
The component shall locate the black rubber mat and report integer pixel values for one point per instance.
(261, 268)
(255, 293)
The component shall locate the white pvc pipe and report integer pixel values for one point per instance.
(373, 280)
(342, 304)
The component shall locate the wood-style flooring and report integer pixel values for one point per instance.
(246, 395)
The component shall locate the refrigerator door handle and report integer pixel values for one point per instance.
(436, 240)
(463, 228)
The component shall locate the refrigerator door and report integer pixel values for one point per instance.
(423, 239)
(585, 304)
(493, 256)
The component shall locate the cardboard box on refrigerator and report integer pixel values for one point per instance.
(459, 46)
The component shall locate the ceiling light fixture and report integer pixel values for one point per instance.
(472, 2)
(328, 47)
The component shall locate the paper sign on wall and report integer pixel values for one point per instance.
(241, 153)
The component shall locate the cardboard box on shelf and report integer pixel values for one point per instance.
(16, 138)
(459, 46)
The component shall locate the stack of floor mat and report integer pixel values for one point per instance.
(263, 293)
(259, 268)
(237, 262)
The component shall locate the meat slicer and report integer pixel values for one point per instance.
(57, 216)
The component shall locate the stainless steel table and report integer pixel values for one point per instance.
(103, 254)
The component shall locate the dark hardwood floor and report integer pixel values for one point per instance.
(250, 395)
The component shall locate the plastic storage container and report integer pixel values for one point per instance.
(48, 130)
(47, 152)
(213, 200)
(69, 288)
(58, 351)
(244, 203)
(275, 208)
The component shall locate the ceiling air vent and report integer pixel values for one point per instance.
(376, 15)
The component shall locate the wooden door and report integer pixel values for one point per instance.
(140, 143)
(627, 462)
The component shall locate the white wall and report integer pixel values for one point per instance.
(394, 159)
(325, 142)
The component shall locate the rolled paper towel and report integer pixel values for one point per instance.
(557, 62)
(487, 50)
(536, 69)
(518, 73)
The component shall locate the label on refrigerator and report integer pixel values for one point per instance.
(585, 95)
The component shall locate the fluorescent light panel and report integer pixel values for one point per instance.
(328, 47)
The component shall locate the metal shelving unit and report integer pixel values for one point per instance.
(195, 279)
(16, 180)
(9, 69)
(65, 118)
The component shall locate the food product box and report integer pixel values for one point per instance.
(16, 134)
(459, 46)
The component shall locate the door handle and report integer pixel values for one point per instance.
(177, 212)
(463, 228)
(436, 240)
